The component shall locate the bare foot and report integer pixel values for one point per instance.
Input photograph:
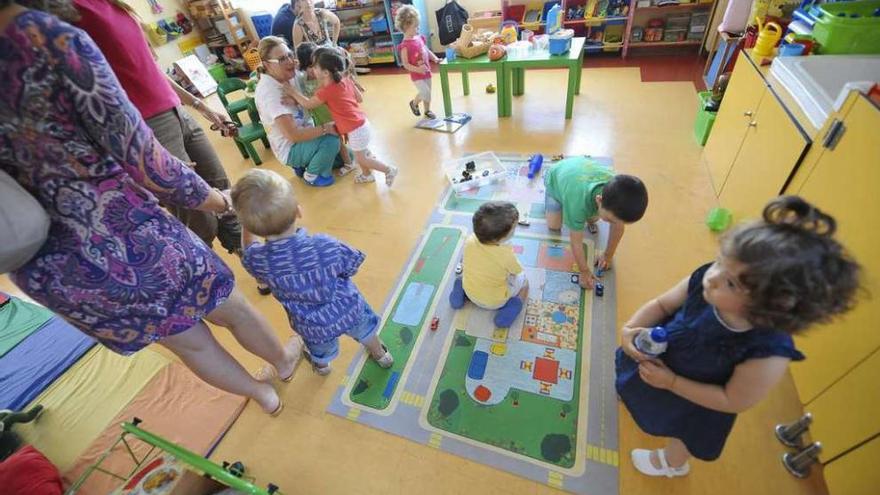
(292, 356)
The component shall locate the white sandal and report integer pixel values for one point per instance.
(364, 178)
(390, 175)
(346, 169)
(641, 459)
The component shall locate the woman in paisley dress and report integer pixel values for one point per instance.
(116, 264)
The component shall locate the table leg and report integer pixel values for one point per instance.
(580, 72)
(465, 82)
(569, 97)
(444, 84)
(500, 91)
(520, 81)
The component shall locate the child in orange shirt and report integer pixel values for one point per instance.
(343, 99)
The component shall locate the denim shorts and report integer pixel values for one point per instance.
(325, 352)
(550, 204)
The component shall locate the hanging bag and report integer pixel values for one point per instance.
(450, 18)
(24, 225)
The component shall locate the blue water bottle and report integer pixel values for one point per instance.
(535, 165)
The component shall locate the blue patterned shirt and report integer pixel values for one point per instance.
(311, 277)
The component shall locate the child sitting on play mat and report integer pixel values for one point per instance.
(581, 191)
(309, 275)
(416, 58)
(492, 276)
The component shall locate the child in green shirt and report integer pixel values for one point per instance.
(578, 192)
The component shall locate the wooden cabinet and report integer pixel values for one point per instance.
(839, 383)
(741, 100)
(755, 144)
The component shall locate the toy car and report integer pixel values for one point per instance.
(458, 269)
(600, 290)
(575, 278)
(434, 324)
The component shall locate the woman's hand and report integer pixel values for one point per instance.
(656, 374)
(627, 343)
(329, 128)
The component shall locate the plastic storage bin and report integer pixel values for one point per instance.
(487, 168)
(262, 24)
(379, 24)
(847, 27)
(561, 42)
(218, 72)
(705, 118)
(489, 20)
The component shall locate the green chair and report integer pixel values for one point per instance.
(235, 107)
(247, 134)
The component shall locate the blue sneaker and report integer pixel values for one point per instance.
(321, 181)
(507, 314)
(457, 296)
(299, 171)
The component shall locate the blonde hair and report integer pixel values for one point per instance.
(407, 15)
(266, 45)
(265, 202)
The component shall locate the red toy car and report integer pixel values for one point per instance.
(434, 324)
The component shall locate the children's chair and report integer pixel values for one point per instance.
(247, 134)
(235, 107)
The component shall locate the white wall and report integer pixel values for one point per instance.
(470, 5)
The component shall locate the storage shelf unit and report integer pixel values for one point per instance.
(221, 25)
(367, 44)
(588, 18)
(695, 33)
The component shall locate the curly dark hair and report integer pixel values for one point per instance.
(797, 274)
(494, 220)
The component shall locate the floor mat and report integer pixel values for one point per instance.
(38, 360)
(18, 319)
(175, 405)
(83, 401)
(536, 399)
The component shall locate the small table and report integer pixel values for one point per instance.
(464, 65)
(515, 66)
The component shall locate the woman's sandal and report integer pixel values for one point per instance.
(277, 411)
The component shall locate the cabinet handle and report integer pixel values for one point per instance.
(753, 123)
(833, 135)
(748, 113)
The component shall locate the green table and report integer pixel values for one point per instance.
(515, 66)
(464, 65)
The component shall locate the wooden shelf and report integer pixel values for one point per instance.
(682, 6)
(590, 20)
(641, 44)
(360, 7)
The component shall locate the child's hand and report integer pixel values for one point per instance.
(656, 374)
(290, 91)
(627, 343)
(603, 262)
(587, 279)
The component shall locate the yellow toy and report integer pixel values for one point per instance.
(508, 32)
(768, 35)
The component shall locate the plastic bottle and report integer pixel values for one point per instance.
(535, 165)
(651, 342)
(554, 19)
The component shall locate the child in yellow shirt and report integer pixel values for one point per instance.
(492, 276)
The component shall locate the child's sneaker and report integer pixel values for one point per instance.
(507, 314)
(431, 115)
(457, 296)
(390, 175)
(414, 107)
(387, 360)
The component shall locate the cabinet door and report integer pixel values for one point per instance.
(844, 183)
(740, 103)
(848, 413)
(855, 473)
(771, 149)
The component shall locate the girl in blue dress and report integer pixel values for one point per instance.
(729, 326)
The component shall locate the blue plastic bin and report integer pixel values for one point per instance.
(263, 24)
(558, 46)
(379, 24)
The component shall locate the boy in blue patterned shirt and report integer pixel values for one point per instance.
(309, 275)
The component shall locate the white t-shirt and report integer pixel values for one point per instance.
(268, 98)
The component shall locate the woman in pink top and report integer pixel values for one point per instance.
(113, 27)
(343, 99)
(416, 58)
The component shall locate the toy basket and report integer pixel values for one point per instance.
(482, 168)
(252, 58)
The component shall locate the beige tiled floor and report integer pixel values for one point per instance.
(647, 129)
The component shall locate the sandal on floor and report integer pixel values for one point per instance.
(641, 459)
(346, 169)
(592, 228)
(319, 370)
(263, 289)
(414, 107)
(364, 178)
(277, 411)
(390, 175)
(431, 115)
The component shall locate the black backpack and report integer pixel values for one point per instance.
(450, 18)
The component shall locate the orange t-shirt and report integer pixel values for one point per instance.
(342, 102)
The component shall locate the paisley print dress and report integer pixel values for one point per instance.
(116, 264)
